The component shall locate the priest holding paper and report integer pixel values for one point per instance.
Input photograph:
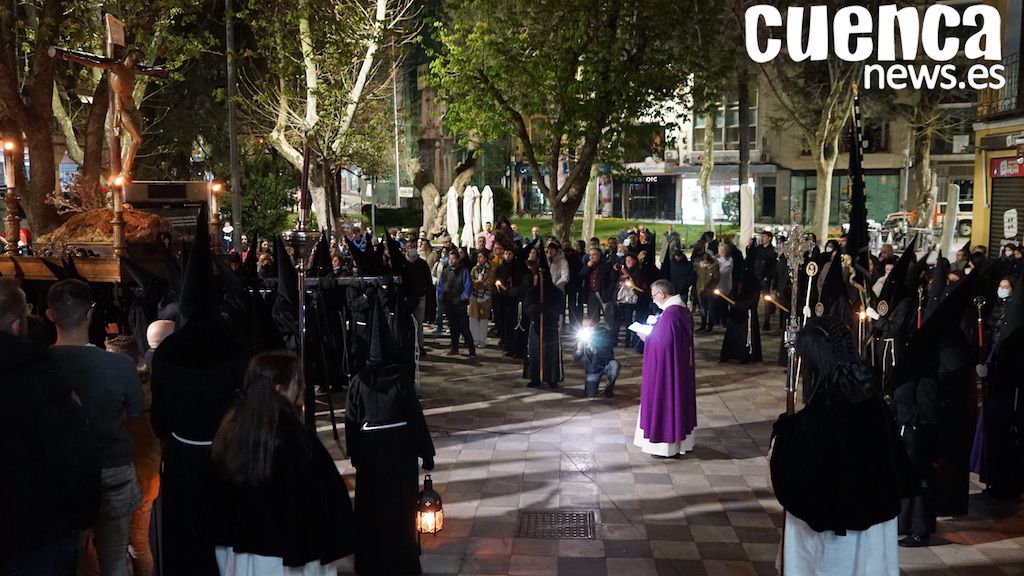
(668, 385)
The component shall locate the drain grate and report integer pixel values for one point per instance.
(566, 524)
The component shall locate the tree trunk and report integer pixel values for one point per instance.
(743, 110)
(42, 179)
(922, 180)
(707, 166)
(590, 204)
(564, 214)
(464, 172)
(92, 155)
(824, 164)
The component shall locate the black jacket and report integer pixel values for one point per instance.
(49, 471)
(597, 353)
(605, 280)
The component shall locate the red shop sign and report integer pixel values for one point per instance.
(1005, 168)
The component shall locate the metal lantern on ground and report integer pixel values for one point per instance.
(429, 510)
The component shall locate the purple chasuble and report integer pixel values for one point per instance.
(668, 384)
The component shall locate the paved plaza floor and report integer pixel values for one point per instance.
(504, 449)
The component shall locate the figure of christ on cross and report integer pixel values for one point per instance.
(126, 114)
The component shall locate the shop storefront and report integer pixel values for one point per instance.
(1006, 201)
(647, 198)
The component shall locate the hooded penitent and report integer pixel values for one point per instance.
(838, 464)
(286, 305)
(931, 391)
(195, 373)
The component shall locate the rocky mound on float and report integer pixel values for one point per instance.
(95, 227)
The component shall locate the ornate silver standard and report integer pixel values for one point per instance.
(794, 248)
(301, 239)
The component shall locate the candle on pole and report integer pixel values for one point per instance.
(768, 298)
(117, 198)
(724, 297)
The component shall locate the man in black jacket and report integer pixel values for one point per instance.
(597, 286)
(764, 261)
(417, 284)
(51, 482)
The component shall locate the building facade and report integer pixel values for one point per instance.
(999, 144)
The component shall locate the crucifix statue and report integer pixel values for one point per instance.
(122, 66)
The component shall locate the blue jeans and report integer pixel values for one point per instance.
(610, 372)
(57, 558)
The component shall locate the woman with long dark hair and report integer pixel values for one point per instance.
(279, 505)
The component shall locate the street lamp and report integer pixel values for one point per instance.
(12, 223)
(215, 189)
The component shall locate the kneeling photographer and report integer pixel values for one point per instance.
(596, 350)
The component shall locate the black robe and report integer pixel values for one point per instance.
(935, 426)
(742, 340)
(301, 514)
(387, 480)
(195, 373)
(1003, 419)
(543, 362)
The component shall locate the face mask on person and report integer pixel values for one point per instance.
(412, 255)
(621, 254)
(1003, 293)
(828, 249)
(1008, 253)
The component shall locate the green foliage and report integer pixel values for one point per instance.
(565, 76)
(339, 34)
(268, 188)
(731, 206)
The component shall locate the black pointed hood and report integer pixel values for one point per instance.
(230, 282)
(398, 261)
(383, 344)
(895, 287)
(199, 298)
(937, 286)
(944, 321)
(365, 261)
(287, 276)
(321, 265)
(833, 288)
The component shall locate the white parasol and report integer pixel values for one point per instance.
(478, 223)
(467, 216)
(487, 206)
(452, 216)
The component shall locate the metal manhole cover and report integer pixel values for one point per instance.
(566, 524)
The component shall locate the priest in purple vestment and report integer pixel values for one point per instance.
(668, 385)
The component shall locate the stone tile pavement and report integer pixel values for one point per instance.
(503, 448)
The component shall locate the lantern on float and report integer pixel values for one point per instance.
(429, 510)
